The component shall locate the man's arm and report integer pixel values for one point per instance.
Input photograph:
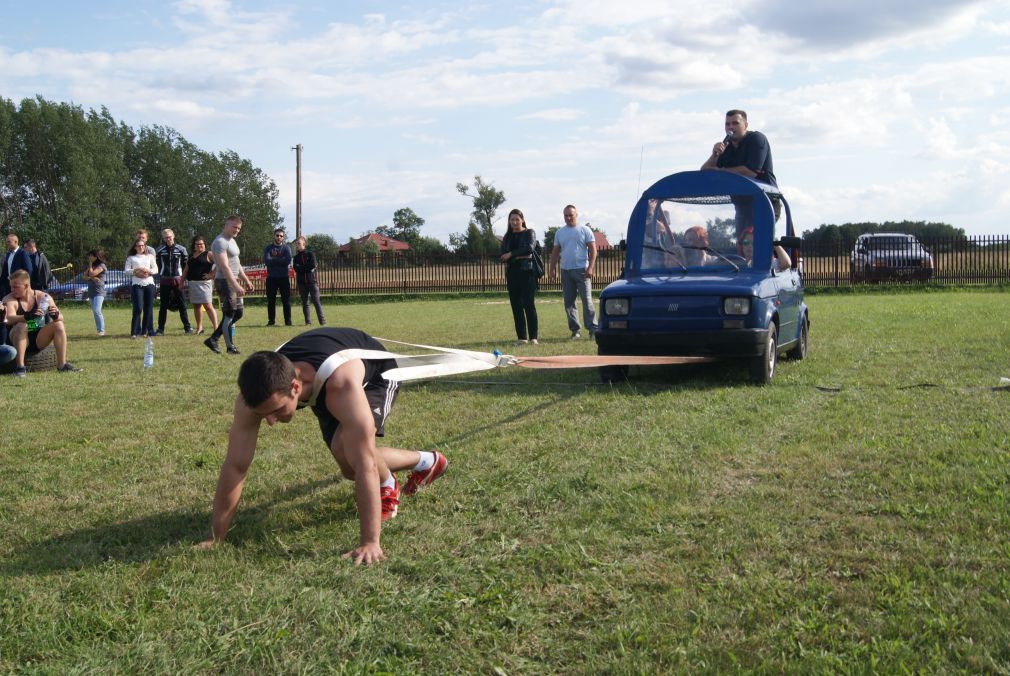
(742, 170)
(591, 252)
(552, 265)
(27, 262)
(242, 438)
(713, 159)
(346, 401)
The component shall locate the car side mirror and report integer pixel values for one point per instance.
(790, 242)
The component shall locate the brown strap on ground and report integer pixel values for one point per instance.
(591, 361)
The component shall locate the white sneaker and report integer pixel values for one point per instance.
(576, 335)
(521, 341)
(534, 341)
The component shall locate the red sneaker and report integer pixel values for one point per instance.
(390, 498)
(419, 479)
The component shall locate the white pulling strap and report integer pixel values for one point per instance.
(410, 366)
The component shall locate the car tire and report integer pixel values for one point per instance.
(800, 350)
(613, 374)
(762, 367)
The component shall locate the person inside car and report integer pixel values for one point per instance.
(745, 247)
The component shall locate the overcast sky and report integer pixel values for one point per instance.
(882, 110)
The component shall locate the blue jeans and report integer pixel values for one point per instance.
(575, 282)
(143, 300)
(7, 353)
(96, 310)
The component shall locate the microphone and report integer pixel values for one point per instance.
(729, 137)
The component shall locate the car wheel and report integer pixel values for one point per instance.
(613, 374)
(800, 350)
(762, 367)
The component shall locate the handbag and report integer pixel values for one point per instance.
(538, 261)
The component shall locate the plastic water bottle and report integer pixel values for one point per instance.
(44, 303)
(148, 353)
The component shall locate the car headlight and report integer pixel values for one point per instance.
(736, 306)
(616, 307)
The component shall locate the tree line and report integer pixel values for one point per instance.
(74, 180)
(830, 235)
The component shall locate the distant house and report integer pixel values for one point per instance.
(383, 244)
(601, 241)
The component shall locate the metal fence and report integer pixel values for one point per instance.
(941, 260)
(951, 261)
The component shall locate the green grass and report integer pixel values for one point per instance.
(852, 517)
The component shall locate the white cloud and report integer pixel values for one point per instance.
(555, 115)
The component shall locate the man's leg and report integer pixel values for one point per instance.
(55, 333)
(303, 293)
(183, 310)
(165, 294)
(19, 339)
(285, 288)
(588, 311)
(314, 293)
(568, 292)
(271, 300)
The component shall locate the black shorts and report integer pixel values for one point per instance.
(380, 400)
(230, 301)
(33, 346)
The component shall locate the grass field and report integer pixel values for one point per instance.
(852, 517)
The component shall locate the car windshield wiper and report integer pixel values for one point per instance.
(667, 251)
(715, 253)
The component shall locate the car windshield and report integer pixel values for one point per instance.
(692, 235)
(889, 243)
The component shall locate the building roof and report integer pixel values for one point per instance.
(601, 241)
(383, 243)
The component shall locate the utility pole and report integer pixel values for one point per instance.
(298, 190)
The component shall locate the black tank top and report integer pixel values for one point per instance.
(314, 347)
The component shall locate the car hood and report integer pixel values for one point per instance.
(743, 283)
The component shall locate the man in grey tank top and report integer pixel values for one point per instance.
(228, 281)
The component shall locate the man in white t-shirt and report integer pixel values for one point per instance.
(575, 248)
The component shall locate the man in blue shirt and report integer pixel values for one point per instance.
(575, 248)
(277, 258)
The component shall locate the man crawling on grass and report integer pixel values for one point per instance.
(351, 399)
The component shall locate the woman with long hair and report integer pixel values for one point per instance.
(517, 250)
(141, 268)
(199, 274)
(94, 273)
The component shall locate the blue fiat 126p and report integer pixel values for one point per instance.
(705, 276)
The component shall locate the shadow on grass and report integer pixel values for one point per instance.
(150, 537)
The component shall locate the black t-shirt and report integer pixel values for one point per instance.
(753, 153)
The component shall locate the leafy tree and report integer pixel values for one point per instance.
(721, 233)
(74, 180)
(406, 227)
(324, 247)
(429, 247)
(479, 238)
(474, 242)
(831, 235)
(549, 238)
